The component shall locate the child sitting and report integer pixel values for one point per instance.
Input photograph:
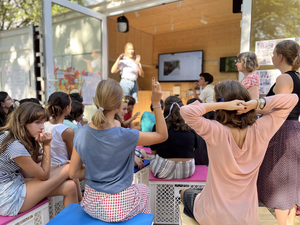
(108, 164)
(148, 119)
(76, 115)
(128, 118)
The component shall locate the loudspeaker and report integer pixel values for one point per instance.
(123, 24)
(237, 6)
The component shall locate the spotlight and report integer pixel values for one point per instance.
(123, 24)
(203, 21)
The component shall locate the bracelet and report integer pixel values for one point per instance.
(258, 102)
(154, 107)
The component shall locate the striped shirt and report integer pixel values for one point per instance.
(8, 167)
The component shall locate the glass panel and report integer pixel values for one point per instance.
(274, 20)
(77, 53)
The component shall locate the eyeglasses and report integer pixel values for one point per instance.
(9, 99)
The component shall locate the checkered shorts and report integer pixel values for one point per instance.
(117, 207)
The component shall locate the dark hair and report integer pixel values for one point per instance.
(117, 117)
(174, 119)
(161, 103)
(232, 90)
(3, 115)
(290, 50)
(34, 100)
(131, 100)
(76, 97)
(207, 77)
(57, 102)
(25, 114)
(190, 101)
(76, 110)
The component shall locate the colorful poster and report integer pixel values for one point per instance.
(264, 50)
(267, 79)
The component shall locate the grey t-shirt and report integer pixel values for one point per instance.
(108, 156)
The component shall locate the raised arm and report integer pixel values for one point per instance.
(115, 68)
(161, 134)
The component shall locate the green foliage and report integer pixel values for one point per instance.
(18, 13)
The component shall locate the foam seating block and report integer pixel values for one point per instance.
(142, 176)
(38, 214)
(165, 197)
(265, 217)
(75, 215)
(184, 219)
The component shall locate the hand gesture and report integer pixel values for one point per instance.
(247, 106)
(156, 93)
(136, 115)
(196, 84)
(138, 59)
(139, 162)
(121, 56)
(44, 138)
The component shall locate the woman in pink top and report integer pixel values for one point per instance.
(246, 64)
(236, 145)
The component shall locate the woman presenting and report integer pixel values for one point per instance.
(130, 70)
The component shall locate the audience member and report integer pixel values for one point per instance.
(109, 194)
(236, 144)
(59, 106)
(76, 115)
(78, 97)
(20, 144)
(148, 119)
(5, 109)
(279, 174)
(128, 118)
(174, 158)
(247, 63)
(207, 93)
(34, 100)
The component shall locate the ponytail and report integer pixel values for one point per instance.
(57, 102)
(296, 62)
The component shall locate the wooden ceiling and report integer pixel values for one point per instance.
(185, 15)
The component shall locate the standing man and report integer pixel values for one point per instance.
(207, 93)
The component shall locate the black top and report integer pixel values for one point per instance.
(201, 156)
(294, 115)
(180, 144)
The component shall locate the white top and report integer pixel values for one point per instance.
(129, 69)
(207, 94)
(59, 152)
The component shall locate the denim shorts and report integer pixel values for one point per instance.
(130, 88)
(12, 196)
(189, 197)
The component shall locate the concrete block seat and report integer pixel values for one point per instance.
(165, 197)
(37, 215)
(75, 215)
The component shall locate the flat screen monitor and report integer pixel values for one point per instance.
(180, 66)
(227, 64)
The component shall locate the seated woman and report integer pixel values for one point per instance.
(104, 153)
(6, 107)
(76, 115)
(174, 158)
(20, 143)
(148, 119)
(236, 144)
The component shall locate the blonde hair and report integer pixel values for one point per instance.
(290, 50)
(26, 113)
(248, 60)
(128, 44)
(108, 97)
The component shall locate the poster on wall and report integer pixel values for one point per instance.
(84, 83)
(267, 79)
(264, 50)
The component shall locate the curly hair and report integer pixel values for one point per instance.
(174, 119)
(248, 60)
(228, 91)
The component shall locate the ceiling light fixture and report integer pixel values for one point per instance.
(172, 26)
(136, 13)
(154, 29)
(178, 4)
(203, 20)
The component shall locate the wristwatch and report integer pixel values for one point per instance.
(262, 103)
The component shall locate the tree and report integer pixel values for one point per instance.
(18, 13)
